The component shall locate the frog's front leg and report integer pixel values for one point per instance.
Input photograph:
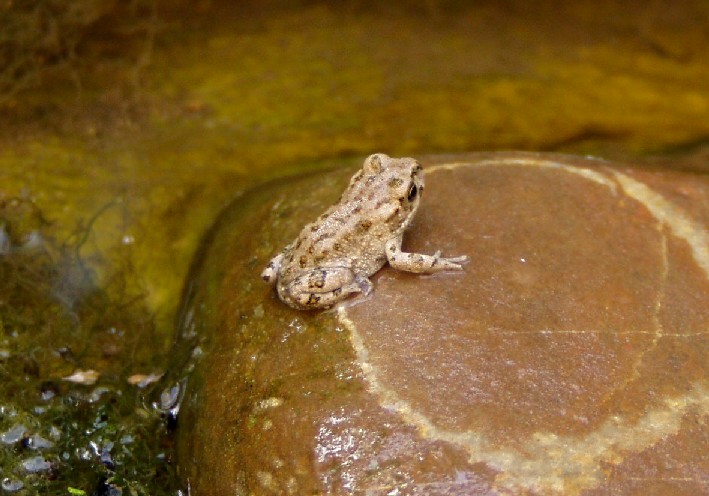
(418, 263)
(323, 287)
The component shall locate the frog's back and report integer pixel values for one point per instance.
(344, 236)
(376, 206)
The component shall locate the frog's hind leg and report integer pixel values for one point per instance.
(323, 287)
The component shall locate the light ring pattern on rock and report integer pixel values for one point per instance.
(554, 463)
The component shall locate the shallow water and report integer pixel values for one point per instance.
(130, 139)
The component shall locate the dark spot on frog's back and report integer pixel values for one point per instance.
(395, 182)
(303, 260)
(364, 225)
(322, 237)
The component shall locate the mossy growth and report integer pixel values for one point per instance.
(73, 417)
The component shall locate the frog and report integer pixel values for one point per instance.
(334, 257)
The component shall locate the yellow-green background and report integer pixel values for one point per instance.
(167, 111)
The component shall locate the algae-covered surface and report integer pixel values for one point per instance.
(125, 128)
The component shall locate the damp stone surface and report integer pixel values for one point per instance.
(570, 357)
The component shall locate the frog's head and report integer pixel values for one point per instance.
(399, 184)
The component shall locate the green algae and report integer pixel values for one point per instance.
(57, 324)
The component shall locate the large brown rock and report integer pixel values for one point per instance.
(570, 357)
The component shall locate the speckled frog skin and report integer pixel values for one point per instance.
(334, 256)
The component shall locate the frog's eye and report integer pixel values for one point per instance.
(413, 191)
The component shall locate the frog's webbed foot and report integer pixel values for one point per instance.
(419, 263)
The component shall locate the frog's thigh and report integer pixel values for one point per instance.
(322, 280)
(324, 287)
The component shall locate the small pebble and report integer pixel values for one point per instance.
(86, 377)
(169, 397)
(10, 486)
(47, 393)
(142, 380)
(12, 435)
(96, 394)
(55, 433)
(36, 464)
(38, 442)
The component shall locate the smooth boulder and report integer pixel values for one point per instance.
(571, 356)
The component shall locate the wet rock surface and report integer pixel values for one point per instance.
(570, 357)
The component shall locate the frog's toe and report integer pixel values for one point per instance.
(452, 263)
(459, 260)
(364, 284)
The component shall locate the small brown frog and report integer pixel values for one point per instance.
(334, 256)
